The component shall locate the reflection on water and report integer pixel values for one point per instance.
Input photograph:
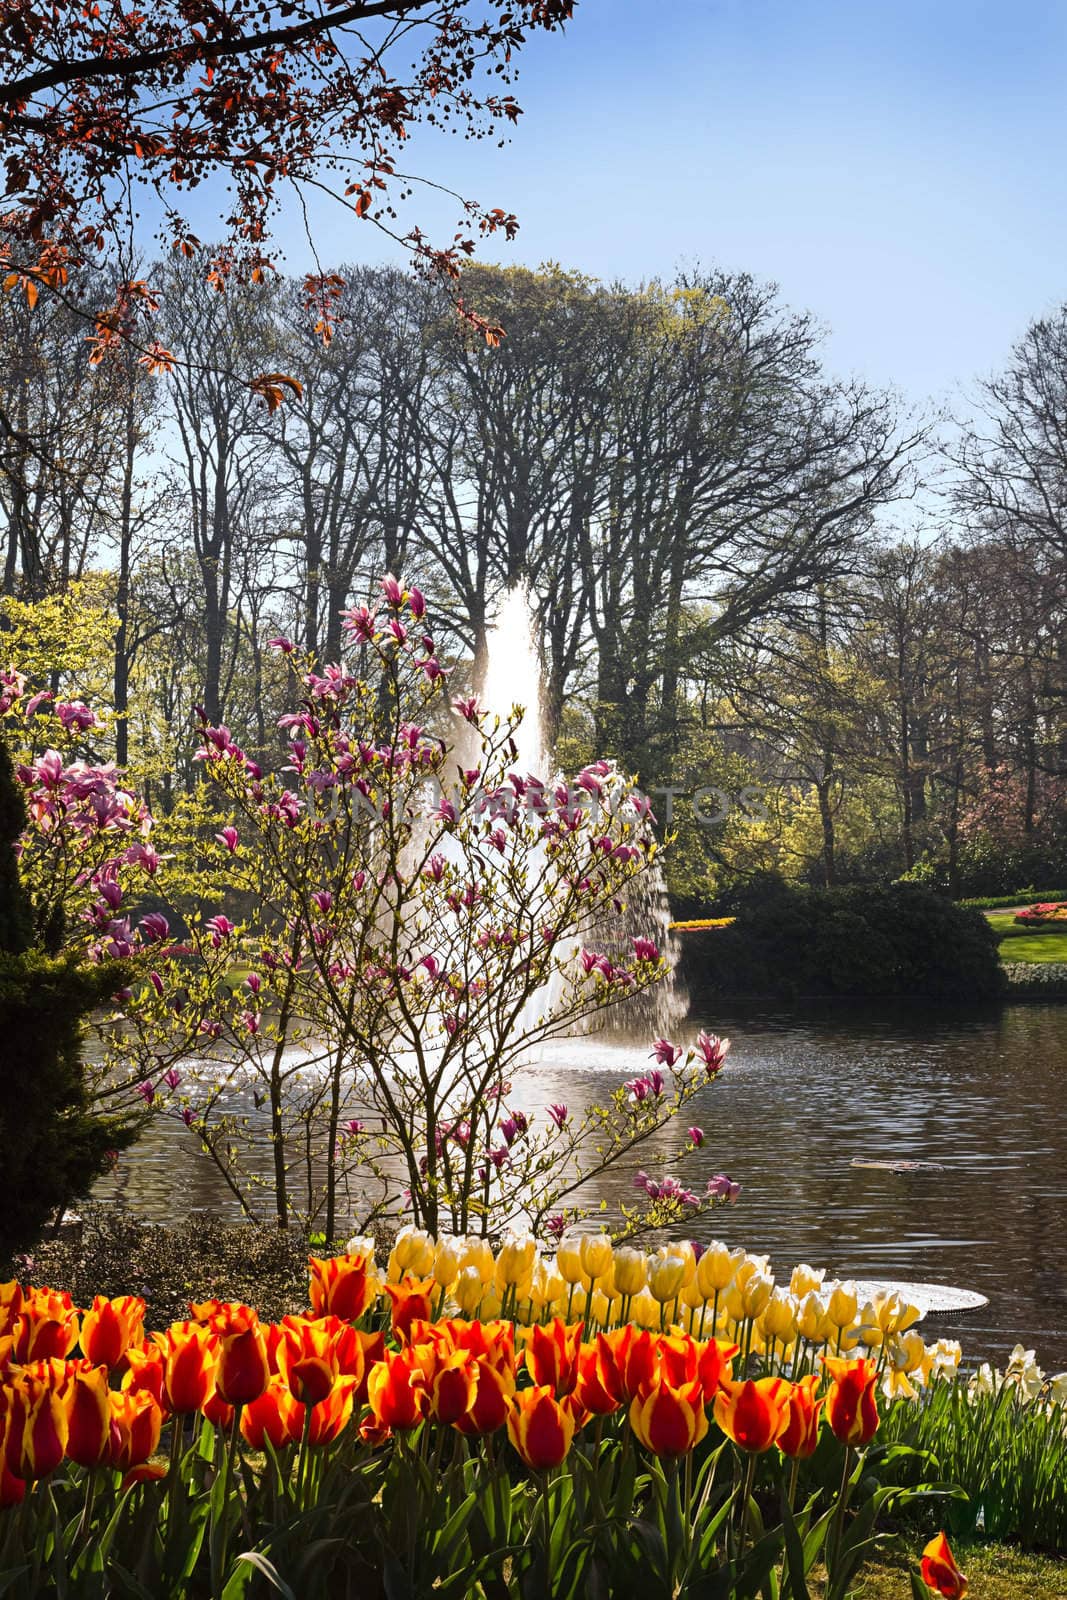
(801, 1097)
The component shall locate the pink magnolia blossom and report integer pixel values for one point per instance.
(393, 590)
(559, 1114)
(696, 1137)
(281, 643)
(645, 949)
(665, 1052)
(153, 927)
(75, 716)
(712, 1051)
(228, 837)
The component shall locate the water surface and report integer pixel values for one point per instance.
(981, 1095)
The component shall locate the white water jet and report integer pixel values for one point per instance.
(513, 677)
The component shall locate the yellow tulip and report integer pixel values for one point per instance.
(478, 1253)
(569, 1259)
(515, 1262)
(716, 1268)
(413, 1253)
(631, 1270)
(446, 1262)
(843, 1304)
(779, 1317)
(644, 1311)
(595, 1252)
(813, 1323)
(756, 1294)
(666, 1274)
(751, 1267)
(805, 1280)
(682, 1248)
(732, 1305)
(467, 1291)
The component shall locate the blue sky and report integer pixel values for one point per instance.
(898, 168)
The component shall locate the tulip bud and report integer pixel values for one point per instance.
(569, 1259)
(805, 1280)
(446, 1262)
(756, 1294)
(515, 1262)
(631, 1270)
(594, 1250)
(666, 1274)
(843, 1304)
(716, 1268)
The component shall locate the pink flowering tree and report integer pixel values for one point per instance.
(385, 926)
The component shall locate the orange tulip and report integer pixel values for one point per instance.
(589, 1388)
(145, 1370)
(36, 1432)
(223, 1316)
(136, 1420)
(331, 1416)
(12, 1489)
(110, 1327)
(851, 1408)
(940, 1572)
(628, 1360)
(10, 1304)
(273, 1415)
(412, 1301)
(800, 1426)
(397, 1392)
(243, 1371)
(342, 1285)
(453, 1385)
(751, 1411)
(189, 1352)
(47, 1325)
(218, 1412)
(309, 1353)
(87, 1402)
(489, 1409)
(669, 1421)
(491, 1342)
(552, 1355)
(540, 1427)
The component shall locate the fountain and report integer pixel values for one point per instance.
(513, 676)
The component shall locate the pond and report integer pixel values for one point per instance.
(980, 1095)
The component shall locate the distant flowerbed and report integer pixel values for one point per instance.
(698, 924)
(588, 1419)
(1043, 913)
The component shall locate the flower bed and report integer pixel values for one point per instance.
(1043, 913)
(702, 924)
(587, 1421)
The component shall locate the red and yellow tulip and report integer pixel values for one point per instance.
(851, 1408)
(110, 1327)
(342, 1286)
(751, 1412)
(940, 1572)
(541, 1427)
(669, 1420)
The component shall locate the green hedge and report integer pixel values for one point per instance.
(1021, 897)
(794, 943)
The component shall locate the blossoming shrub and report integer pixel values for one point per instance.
(361, 939)
(53, 1144)
(392, 1440)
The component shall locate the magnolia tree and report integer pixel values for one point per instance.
(383, 929)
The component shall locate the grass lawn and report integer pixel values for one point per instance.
(995, 1571)
(1017, 944)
